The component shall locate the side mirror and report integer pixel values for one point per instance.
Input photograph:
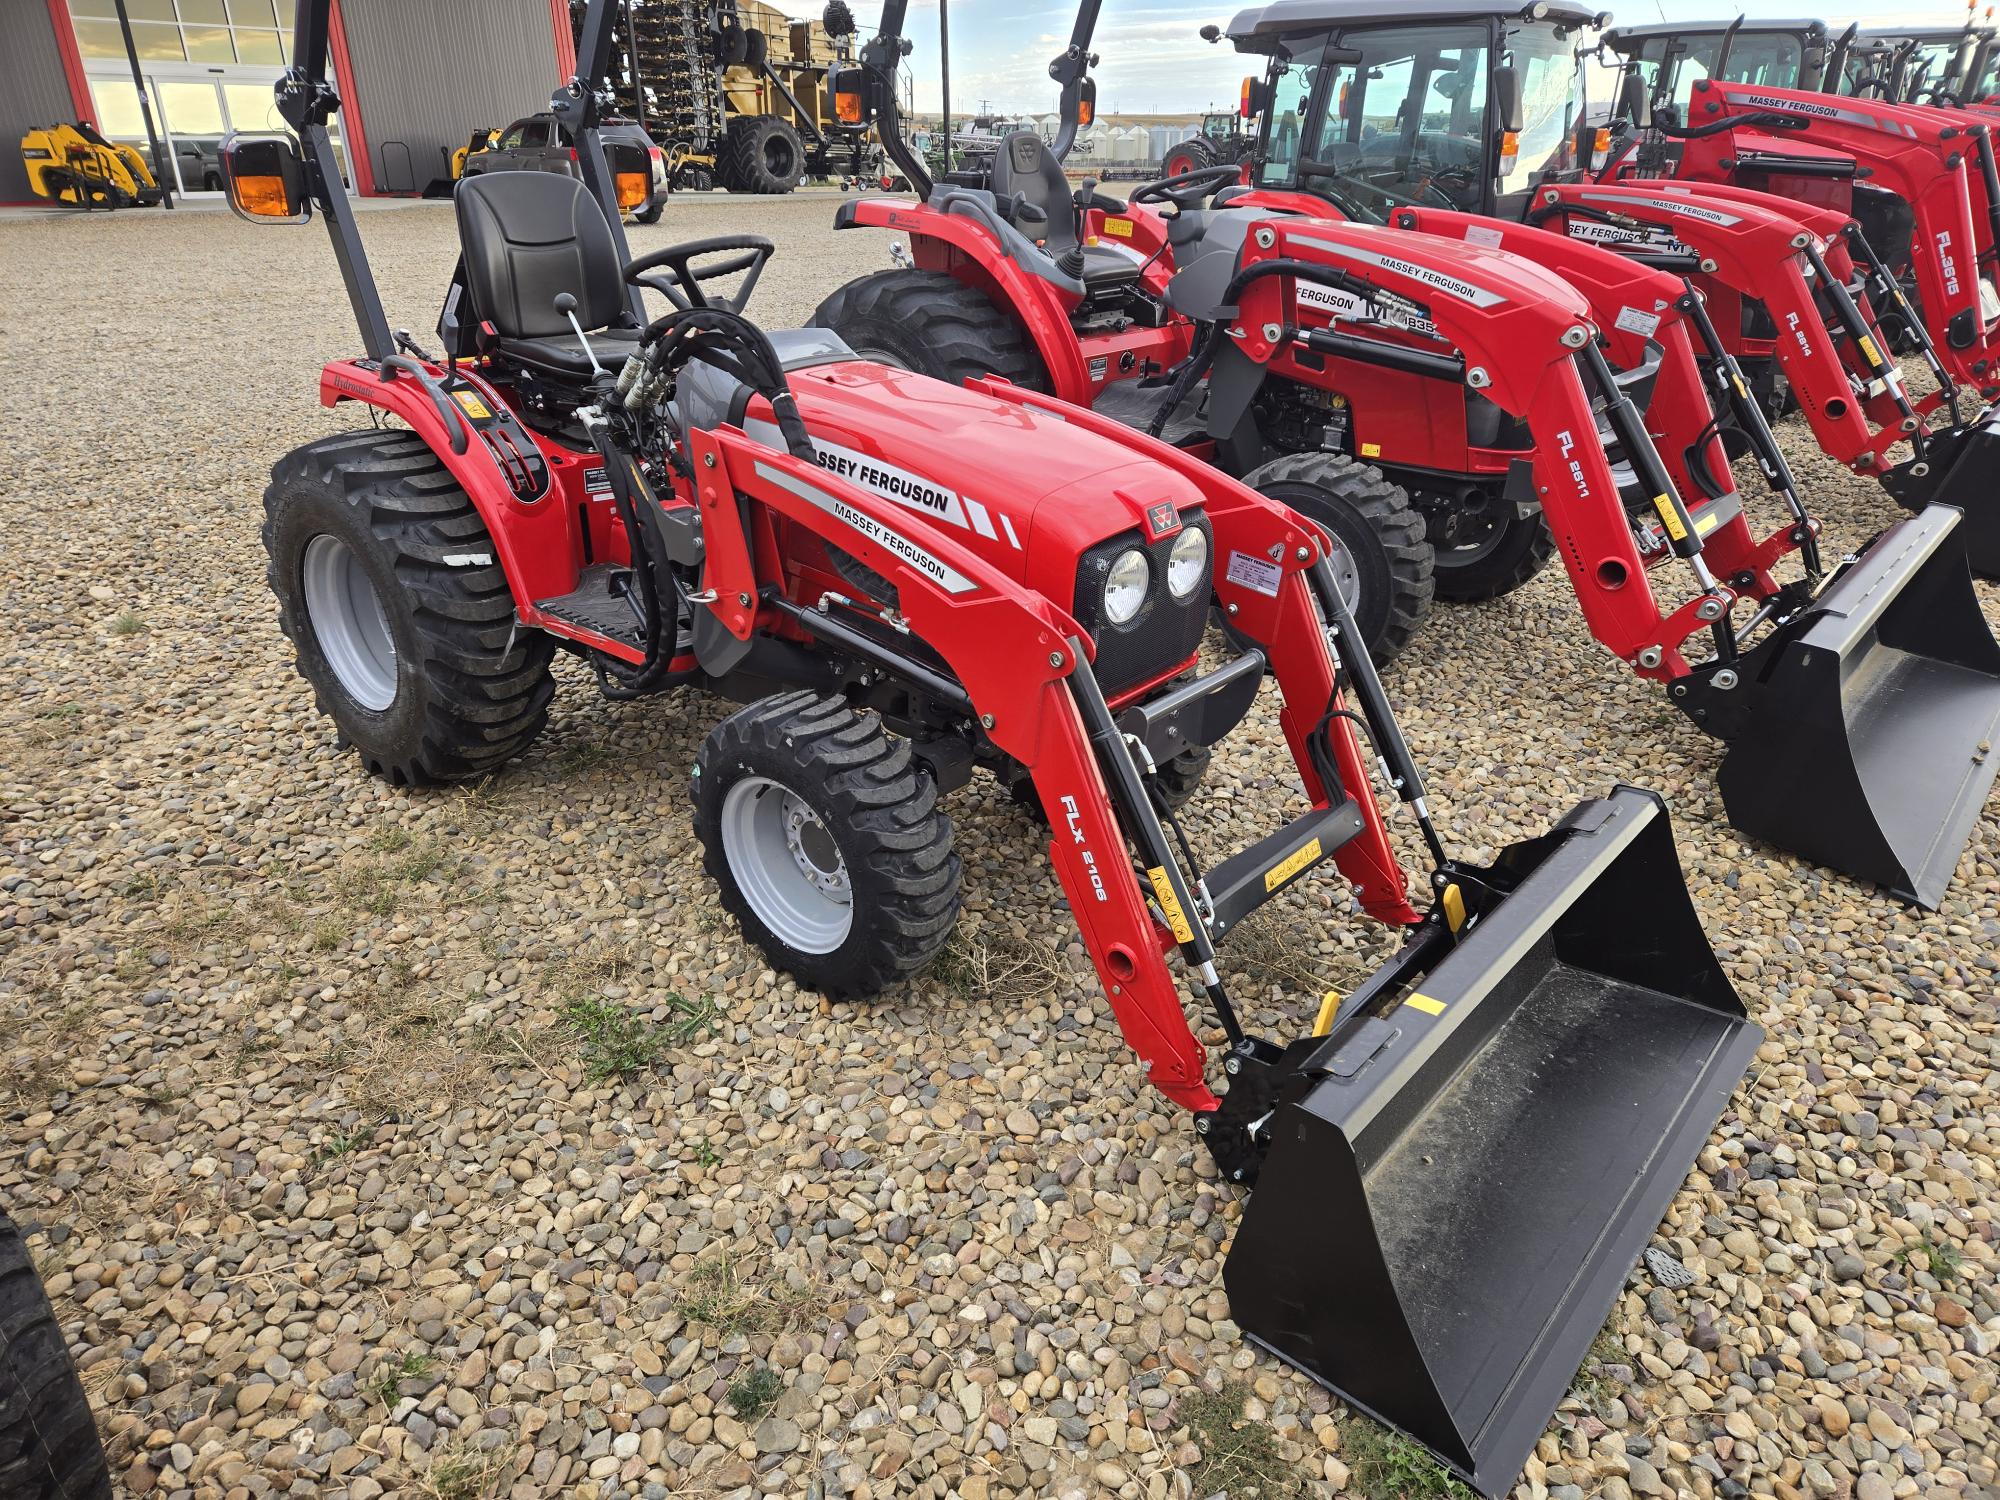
(264, 179)
(1635, 100)
(1507, 99)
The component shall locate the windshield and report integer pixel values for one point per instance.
(1769, 59)
(1410, 119)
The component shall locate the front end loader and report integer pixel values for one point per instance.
(909, 583)
(74, 164)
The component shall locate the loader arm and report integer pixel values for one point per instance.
(1930, 158)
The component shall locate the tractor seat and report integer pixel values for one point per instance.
(526, 237)
(1024, 164)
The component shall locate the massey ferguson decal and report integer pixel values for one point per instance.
(1680, 206)
(910, 490)
(1443, 281)
(1619, 237)
(1385, 308)
(943, 573)
(1822, 111)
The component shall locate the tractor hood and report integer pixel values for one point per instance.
(1022, 487)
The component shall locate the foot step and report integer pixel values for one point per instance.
(595, 607)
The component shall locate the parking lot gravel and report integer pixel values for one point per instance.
(389, 1143)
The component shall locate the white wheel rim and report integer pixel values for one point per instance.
(1346, 573)
(349, 623)
(787, 865)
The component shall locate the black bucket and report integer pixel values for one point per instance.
(1870, 725)
(1455, 1193)
(1962, 468)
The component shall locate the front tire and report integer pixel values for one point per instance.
(1190, 155)
(931, 324)
(1381, 558)
(825, 837)
(1506, 552)
(402, 621)
(49, 1448)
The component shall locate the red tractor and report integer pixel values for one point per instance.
(908, 583)
(1527, 391)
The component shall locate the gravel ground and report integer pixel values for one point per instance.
(353, 1173)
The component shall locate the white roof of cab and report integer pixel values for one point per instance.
(1266, 23)
(1618, 34)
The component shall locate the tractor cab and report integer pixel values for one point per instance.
(1670, 58)
(1445, 104)
(1927, 65)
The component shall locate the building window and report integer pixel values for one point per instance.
(201, 31)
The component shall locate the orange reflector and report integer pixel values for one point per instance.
(262, 197)
(1243, 103)
(1510, 148)
(1086, 111)
(1603, 141)
(847, 108)
(632, 188)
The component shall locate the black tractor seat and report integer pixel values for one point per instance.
(1023, 165)
(528, 237)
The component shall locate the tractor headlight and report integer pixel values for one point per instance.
(1125, 586)
(1187, 563)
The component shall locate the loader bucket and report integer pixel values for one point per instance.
(1961, 468)
(1455, 1193)
(1869, 744)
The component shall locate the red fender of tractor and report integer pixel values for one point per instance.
(964, 249)
(1927, 157)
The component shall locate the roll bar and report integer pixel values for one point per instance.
(307, 99)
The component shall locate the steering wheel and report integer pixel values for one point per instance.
(681, 283)
(1188, 190)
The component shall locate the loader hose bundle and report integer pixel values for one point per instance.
(731, 343)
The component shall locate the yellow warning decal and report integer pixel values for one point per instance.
(1425, 1004)
(1290, 865)
(1371, 450)
(1122, 228)
(474, 407)
(1454, 906)
(1170, 905)
(1869, 351)
(1707, 521)
(1670, 518)
(1329, 1008)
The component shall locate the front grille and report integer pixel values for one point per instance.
(1165, 632)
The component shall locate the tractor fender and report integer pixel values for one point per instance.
(533, 537)
(967, 248)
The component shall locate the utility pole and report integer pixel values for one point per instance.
(945, 67)
(160, 173)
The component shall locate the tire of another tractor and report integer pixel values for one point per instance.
(1180, 778)
(649, 215)
(49, 1448)
(926, 322)
(1190, 155)
(1498, 564)
(826, 839)
(401, 619)
(762, 154)
(1382, 560)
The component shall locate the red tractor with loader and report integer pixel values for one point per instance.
(908, 583)
(1529, 391)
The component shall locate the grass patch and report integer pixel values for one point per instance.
(618, 1041)
(1238, 1457)
(721, 1294)
(1590, 1382)
(756, 1393)
(127, 623)
(1940, 1257)
(464, 1475)
(343, 1144)
(375, 882)
(391, 1373)
(977, 967)
(1388, 1466)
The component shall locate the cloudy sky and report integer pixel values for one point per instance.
(1153, 60)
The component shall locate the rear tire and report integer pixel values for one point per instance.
(762, 154)
(438, 683)
(1190, 155)
(1388, 563)
(826, 840)
(1514, 552)
(49, 1448)
(931, 324)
